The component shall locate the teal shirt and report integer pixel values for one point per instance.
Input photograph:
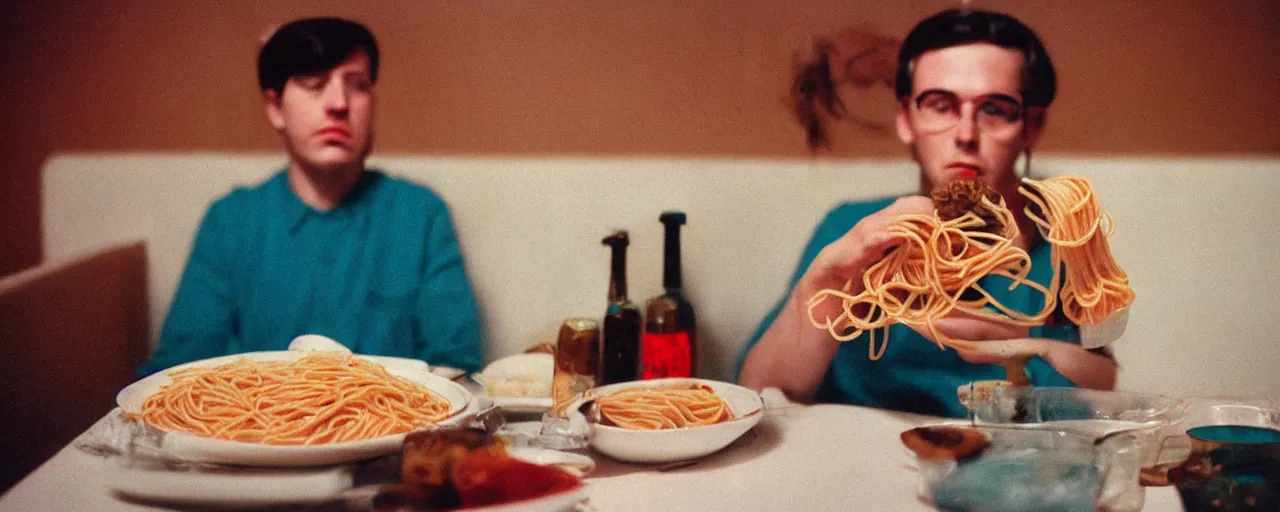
(914, 375)
(381, 273)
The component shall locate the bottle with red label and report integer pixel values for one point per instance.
(669, 344)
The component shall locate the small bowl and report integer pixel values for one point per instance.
(680, 444)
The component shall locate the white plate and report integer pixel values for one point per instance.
(563, 501)
(524, 404)
(513, 381)
(227, 488)
(578, 465)
(661, 446)
(203, 449)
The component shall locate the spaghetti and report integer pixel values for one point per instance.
(1070, 217)
(924, 279)
(318, 399)
(935, 270)
(664, 407)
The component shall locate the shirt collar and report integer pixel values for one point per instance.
(296, 212)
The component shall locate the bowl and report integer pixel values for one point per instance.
(1176, 442)
(1230, 467)
(1032, 467)
(674, 445)
(1092, 411)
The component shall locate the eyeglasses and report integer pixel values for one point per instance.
(997, 115)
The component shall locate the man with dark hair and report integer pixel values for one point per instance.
(973, 89)
(325, 246)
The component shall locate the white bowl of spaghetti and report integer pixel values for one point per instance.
(668, 420)
(292, 408)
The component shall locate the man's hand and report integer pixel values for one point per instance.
(792, 355)
(850, 255)
(963, 326)
(1001, 351)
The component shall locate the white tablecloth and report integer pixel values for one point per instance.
(823, 457)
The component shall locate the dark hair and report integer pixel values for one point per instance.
(964, 26)
(312, 45)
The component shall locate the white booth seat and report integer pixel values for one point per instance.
(1198, 237)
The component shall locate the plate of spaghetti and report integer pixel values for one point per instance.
(668, 420)
(292, 408)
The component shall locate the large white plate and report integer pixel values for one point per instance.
(230, 488)
(203, 449)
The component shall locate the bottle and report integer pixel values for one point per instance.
(620, 341)
(669, 344)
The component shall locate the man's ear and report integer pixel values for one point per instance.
(271, 103)
(1035, 121)
(905, 132)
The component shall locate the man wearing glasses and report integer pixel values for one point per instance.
(973, 89)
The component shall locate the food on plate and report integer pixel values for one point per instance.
(427, 458)
(935, 270)
(663, 407)
(945, 443)
(448, 468)
(520, 375)
(320, 398)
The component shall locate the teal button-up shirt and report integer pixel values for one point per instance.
(914, 375)
(382, 273)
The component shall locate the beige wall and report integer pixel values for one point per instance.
(604, 77)
(534, 258)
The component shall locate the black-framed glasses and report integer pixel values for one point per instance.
(998, 115)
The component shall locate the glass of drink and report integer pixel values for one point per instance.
(577, 363)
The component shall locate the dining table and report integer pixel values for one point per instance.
(798, 457)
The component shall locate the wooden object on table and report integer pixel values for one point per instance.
(1016, 371)
(73, 333)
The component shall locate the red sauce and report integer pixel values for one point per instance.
(484, 478)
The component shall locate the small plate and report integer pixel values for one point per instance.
(523, 404)
(563, 501)
(578, 465)
(513, 382)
